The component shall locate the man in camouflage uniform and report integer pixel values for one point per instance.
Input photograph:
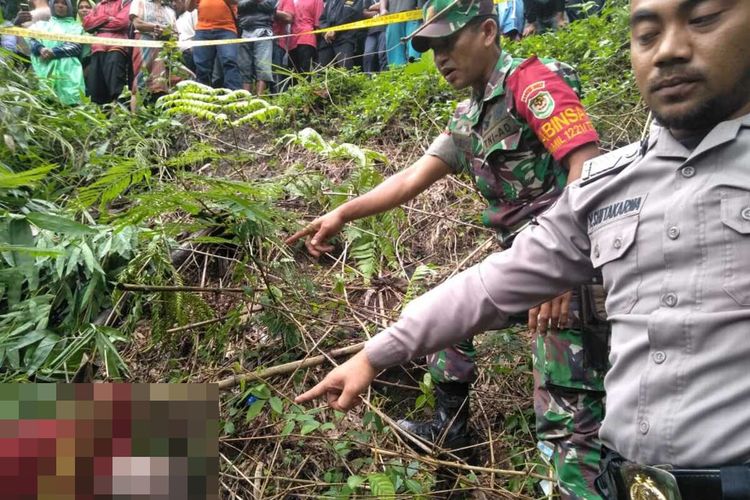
(521, 136)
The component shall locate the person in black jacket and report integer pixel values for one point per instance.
(580, 9)
(543, 15)
(337, 47)
(256, 20)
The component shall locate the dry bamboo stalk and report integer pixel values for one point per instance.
(423, 445)
(458, 465)
(170, 288)
(286, 368)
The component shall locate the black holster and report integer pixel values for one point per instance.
(608, 482)
(595, 327)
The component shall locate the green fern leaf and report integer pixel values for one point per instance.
(381, 486)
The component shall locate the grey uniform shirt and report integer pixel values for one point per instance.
(671, 235)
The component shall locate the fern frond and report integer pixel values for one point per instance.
(198, 152)
(114, 182)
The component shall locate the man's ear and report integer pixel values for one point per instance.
(489, 30)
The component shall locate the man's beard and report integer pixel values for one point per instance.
(712, 111)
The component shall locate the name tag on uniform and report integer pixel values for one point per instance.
(618, 210)
(499, 125)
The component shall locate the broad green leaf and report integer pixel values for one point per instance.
(420, 402)
(288, 428)
(276, 404)
(113, 362)
(42, 352)
(88, 258)
(32, 251)
(308, 427)
(414, 486)
(255, 409)
(342, 448)
(75, 346)
(228, 428)
(355, 481)
(14, 359)
(19, 234)
(114, 334)
(91, 288)
(30, 338)
(261, 391)
(73, 260)
(58, 224)
(381, 486)
(60, 266)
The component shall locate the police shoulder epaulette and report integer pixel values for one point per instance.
(609, 163)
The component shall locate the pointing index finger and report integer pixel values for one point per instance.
(300, 234)
(315, 392)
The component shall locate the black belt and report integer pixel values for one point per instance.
(624, 480)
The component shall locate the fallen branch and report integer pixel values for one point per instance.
(243, 319)
(473, 468)
(286, 368)
(487, 243)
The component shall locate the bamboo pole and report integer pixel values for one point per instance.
(287, 368)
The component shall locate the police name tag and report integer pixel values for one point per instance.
(615, 211)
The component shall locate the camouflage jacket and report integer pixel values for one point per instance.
(512, 138)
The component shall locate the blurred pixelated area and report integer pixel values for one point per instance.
(109, 441)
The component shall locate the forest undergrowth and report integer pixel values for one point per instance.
(149, 248)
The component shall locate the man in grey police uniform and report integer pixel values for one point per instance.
(667, 222)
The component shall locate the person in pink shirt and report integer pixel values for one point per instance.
(108, 70)
(306, 18)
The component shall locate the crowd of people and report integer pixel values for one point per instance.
(101, 71)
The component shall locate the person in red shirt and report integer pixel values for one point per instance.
(108, 69)
(306, 18)
(217, 20)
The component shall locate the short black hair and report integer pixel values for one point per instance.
(474, 22)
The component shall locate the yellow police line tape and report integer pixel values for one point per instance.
(398, 17)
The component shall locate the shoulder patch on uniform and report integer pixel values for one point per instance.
(610, 163)
(539, 101)
(531, 90)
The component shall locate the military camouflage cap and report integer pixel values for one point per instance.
(444, 17)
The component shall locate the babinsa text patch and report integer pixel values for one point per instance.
(616, 210)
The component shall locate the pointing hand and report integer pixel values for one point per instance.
(318, 232)
(343, 385)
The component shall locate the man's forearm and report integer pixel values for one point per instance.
(95, 20)
(395, 190)
(544, 261)
(283, 17)
(117, 23)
